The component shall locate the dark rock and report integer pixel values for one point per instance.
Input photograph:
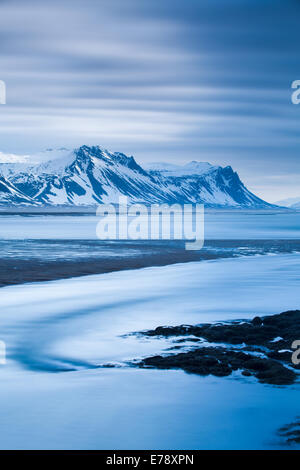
(221, 362)
(257, 335)
(246, 373)
(291, 432)
(257, 321)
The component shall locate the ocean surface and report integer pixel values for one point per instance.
(219, 225)
(62, 333)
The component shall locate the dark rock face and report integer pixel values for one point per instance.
(291, 432)
(264, 348)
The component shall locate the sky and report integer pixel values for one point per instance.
(163, 80)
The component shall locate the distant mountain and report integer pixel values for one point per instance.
(292, 202)
(91, 175)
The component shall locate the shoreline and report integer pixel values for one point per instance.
(30, 261)
(89, 210)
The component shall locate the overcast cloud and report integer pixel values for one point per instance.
(163, 80)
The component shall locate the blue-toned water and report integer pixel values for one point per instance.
(218, 225)
(55, 392)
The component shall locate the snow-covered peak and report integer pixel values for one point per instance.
(59, 162)
(91, 175)
(170, 169)
(52, 161)
(34, 158)
(290, 202)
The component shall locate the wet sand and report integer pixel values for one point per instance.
(25, 261)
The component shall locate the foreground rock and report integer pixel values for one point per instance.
(259, 348)
(291, 432)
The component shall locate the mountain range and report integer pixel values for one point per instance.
(292, 203)
(89, 176)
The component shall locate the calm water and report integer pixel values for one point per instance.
(218, 225)
(249, 265)
(79, 324)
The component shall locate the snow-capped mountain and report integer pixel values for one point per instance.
(91, 175)
(169, 169)
(10, 195)
(292, 203)
(204, 183)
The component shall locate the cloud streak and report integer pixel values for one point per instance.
(165, 80)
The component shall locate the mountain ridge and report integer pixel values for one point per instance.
(91, 175)
(292, 203)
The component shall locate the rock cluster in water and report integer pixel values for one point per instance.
(259, 348)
